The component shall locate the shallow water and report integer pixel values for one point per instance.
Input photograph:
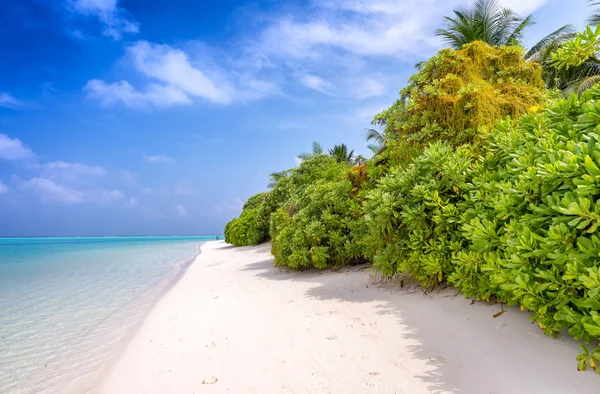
(67, 304)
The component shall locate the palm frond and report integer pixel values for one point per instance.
(594, 19)
(581, 85)
(550, 43)
(317, 148)
(374, 135)
(517, 34)
(485, 20)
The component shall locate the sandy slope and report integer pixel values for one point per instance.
(241, 326)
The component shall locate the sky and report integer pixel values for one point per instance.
(136, 117)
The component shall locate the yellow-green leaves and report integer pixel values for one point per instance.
(576, 51)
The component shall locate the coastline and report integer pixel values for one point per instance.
(234, 323)
(122, 343)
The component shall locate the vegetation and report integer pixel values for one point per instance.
(251, 228)
(487, 21)
(457, 94)
(484, 177)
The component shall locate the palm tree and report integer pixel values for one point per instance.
(275, 177)
(378, 140)
(317, 149)
(359, 160)
(487, 21)
(341, 154)
(594, 19)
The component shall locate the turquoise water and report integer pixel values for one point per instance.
(67, 305)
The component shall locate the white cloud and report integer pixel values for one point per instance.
(110, 196)
(181, 211)
(13, 149)
(159, 159)
(316, 83)
(173, 67)
(122, 92)
(49, 191)
(8, 101)
(347, 45)
(132, 203)
(174, 78)
(70, 171)
(382, 28)
(3, 188)
(114, 18)
(365, 87)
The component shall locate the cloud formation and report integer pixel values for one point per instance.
(115, 20)
(159, 159)
(122, 92)
(3, 188)
(49, 191)
(8, 101)
(70, 171)
(174, 79)
(316, 83)
(343, 48)
(14, 150)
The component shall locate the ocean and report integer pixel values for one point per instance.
(68, 305)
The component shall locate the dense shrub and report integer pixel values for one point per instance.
(413, 218)
(533, 213)
(517, 225)
(318, 225)
(252, 227)
(457, 93)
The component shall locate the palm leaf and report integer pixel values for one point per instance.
(594, 19)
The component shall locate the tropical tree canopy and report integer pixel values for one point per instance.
(377, 138)
(456, 93)
(578, 62)
(487, 21)
(317, 149)
(341, 154)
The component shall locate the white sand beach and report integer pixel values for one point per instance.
(236, 324)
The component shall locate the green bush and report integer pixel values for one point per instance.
(317, 227)
(252, 227)
(456, 95)
(413, 215)
(532, 217)
(517, 224)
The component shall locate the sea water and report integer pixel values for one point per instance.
(67, 305)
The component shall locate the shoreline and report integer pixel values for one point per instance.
(122, 343)
(234, 323)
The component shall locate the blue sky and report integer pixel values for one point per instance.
(123, 117)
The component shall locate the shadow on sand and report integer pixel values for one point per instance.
(466, 349)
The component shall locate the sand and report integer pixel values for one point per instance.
(235, 324)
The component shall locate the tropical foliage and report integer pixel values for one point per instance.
(456, 94)
(487, 21)
(252, 226)
(481, 179)
(578, 59)
(319, 226)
